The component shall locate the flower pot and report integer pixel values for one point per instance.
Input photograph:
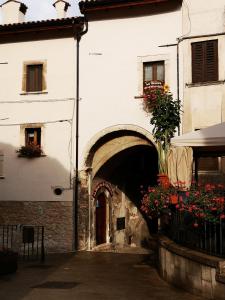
(173, 199)
(163, 180)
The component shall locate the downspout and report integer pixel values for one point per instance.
(77, 37)
(178, 70)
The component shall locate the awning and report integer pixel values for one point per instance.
(207, 137)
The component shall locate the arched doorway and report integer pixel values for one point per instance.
(121, 160)
(100, 219)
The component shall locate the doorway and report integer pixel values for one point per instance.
(101, 219)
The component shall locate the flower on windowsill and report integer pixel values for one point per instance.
(30, 151)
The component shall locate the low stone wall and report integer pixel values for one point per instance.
(55, 216)
(193, 271)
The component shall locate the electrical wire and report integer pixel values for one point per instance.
(36, 101)
(36, 122)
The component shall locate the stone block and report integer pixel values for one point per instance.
(206, 273)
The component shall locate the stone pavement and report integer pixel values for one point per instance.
(88, 275)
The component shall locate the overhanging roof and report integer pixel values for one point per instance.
(207, 137)
(93, 5)
(27, 29)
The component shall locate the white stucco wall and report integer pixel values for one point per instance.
(204, 105)
(35, 179)
(112, 56)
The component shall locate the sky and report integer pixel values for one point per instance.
(43, 9)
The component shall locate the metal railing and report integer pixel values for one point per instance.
(27, 240)
(204, 236)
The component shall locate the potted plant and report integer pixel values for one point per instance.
(30, 151)
(165, 118)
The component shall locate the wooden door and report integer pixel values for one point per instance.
(101, 219)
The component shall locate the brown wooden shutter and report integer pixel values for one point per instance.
(205, 61)
(197, 62)
(211, 60)
(34, 78)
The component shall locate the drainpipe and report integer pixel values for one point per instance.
(178, 71)
(77, 37)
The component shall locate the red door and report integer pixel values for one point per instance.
(101, 219)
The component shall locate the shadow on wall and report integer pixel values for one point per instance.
(27, 196)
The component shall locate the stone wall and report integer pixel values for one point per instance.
(55, 216)
(193, 271)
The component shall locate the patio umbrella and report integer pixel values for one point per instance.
(180, 161)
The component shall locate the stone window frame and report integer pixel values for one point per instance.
(44, 76)
(151, 59)
(32, 125)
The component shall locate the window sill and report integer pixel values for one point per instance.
(34, 93)
(204, 83)
(31, 157)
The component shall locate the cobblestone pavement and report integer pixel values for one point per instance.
(88, 275)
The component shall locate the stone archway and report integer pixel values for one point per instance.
(121, 158)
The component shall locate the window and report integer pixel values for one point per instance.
(34, 78)
(154, 72)
(205, 61)
(33, 136)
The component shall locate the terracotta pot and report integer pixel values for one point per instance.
(173, 199)
(163, 180)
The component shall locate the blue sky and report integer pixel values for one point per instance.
(43, 9)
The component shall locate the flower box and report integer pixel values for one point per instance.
(30, 151)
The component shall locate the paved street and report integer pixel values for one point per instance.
(86, 275)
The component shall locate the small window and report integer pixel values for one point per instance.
(208, 164)
(205, 61)
(154, 72)
(33, 136)
(34, 78)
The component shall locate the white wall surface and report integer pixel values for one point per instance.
(111, 53)
(204, 104)
(35, 179)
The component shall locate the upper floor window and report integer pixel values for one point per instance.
(205, 61)
(154, 72)
(34, 78)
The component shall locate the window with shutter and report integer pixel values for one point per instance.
(34, 76)
(205, 61)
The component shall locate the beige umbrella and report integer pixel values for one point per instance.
(180, 160)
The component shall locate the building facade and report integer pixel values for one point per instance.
(128, 44)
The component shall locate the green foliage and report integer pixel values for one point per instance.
(30, 151)
(165, 118)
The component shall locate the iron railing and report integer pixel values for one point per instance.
(204, 236)
(27, 240)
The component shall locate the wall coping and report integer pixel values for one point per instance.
(199, 257)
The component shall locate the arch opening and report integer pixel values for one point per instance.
(126, 171)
